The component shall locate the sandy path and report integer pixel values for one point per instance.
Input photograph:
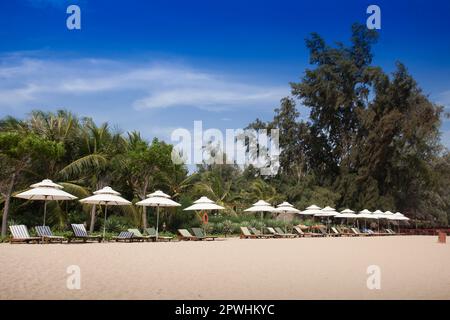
(326, 268)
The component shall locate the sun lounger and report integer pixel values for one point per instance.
(198, 232)
(137, 235)
(346, 232)
(184, 234)
(337, 233)
(358, 233)
(152, 233)
(20, 235)
(301, 233)
(47, 235)
(259, 234)
(124, 236)
(246, 234)
(287, 235)
(80, 233)
(276, 234)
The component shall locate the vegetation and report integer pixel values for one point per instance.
(371, 141)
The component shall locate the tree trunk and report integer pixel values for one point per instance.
(6, 207)
(92, 224)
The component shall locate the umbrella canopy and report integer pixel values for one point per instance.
(398, 216)
(158, 199)
(45, 190)
(326, 212)
(287, 208)
(311, 210)
(365, 214)
(261, 206)
(108, 197)
(378, 214)
(347, 214)
(203, 204)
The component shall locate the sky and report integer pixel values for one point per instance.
(155, 66)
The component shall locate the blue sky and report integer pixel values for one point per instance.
(158, 65)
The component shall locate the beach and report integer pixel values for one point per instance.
(410, 267)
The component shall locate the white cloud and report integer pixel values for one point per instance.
(31, 81)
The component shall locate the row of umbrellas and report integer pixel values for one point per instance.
(47, 190)
(316, 211)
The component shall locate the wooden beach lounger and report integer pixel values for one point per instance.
(281, 231)
(124, 236)
(183, 234)
(137, 235)
(259, 234)
(359, 233)
(276, 234)
(152, 233)
(198, 232)
(301, 233)
(47, 235)
(80, 233)
(246, 234)
(20, 235)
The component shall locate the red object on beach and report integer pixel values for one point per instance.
(205, 218)
(442, 237)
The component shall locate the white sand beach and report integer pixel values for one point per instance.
(412, 267)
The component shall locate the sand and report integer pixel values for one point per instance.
(411, 267)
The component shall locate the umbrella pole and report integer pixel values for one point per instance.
(104, 224)
(45, 209)
(157, 221)
(262, 223)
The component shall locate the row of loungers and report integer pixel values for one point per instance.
(45, 235)
(20, 234)
(253, 233)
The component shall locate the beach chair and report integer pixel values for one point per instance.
(137, 235)
(323, 232)
(358, 233)
(346, 232)
(246, 234)
(336, 232)
(152, 233)
(276, 234)
(19, 234)
(198, 232)
(124, 236)
(287, 235)
(184, 234)
(301, 233)
(80, 233)
(47, 235)
(259, 234)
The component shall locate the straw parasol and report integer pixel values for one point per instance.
(204, 204)
(286, 207)
(108, 197)
(365, 214)
(346, 214)
(45, 190)
(158, 199)
(311, 210)
(326, 212)
(261, 206)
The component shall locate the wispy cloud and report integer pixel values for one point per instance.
(152, 85)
